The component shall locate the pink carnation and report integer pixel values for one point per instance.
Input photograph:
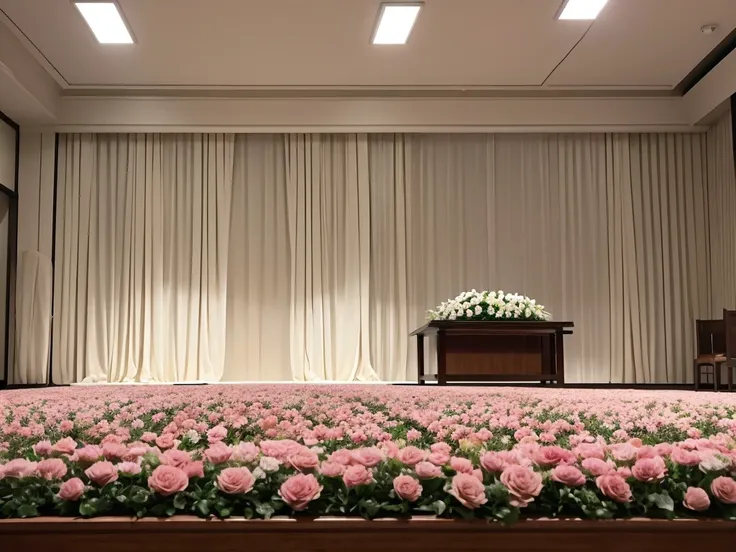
(43, 448)
(51, 468)
(65, 446)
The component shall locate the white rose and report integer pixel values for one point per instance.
(468, 313)
(713, 462)
(269, 464)
(453, 316)
(258, 473)
(478, 309)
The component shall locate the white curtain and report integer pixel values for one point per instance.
(312, 257)
(142, 253)
(721, 215)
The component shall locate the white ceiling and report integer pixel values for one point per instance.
(634, 44)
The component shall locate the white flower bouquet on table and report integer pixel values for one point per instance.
(488, 306)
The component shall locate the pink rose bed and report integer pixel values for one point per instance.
(370, 451)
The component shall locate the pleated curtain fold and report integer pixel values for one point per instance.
(311, 257)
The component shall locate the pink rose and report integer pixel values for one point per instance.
(166, 441)
(614, 487)
(114, 451)
(568, 475)
(696, 499)
(129, 468)
(235, 480)
(685, 457)
(281, 449)
(102, 473)
(18, 468)
(663, 449)
(623, 452)
(522, 483)
(303, 460)
(356, 476)
(168, 480)
(645, 452)
(547, 457)
(427, 470)
(88, 454)
(66, 446)
(193, 469)
(596, 467)
(43, 448)
(461, 465)
(590, 450)
(71, 490)
(368, 457)
(649, 469)
(413, 435)
(245, 452)
(342, 456)
(492, 462)
(440, 447)
(51, 468)
(407, 488)
(724, 489)
(219, 453)
(439, 458)
(624, 471)
(299, 490)
(468, 490)
(411, 456)
(134, 453)
(331, 469)
(216, 434)
(176, 458)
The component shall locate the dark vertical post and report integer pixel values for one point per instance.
(733, 128)
(420, 358)
(441, 358)
(560, 357)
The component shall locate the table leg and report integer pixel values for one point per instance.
(420, 359)
(559, 359)
(441, 359)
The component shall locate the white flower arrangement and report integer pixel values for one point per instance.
(490, 305)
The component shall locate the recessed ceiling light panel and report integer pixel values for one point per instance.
(581, 9)
(106, 22)
(395, 22)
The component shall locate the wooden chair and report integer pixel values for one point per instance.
(711, 336)
(729, 322)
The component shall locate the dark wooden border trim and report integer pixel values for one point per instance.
(733, 128)
(185, 534)
(12, 245)
(709, 62)
(50, 376)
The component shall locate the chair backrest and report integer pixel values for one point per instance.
(729, 319)
(711, 336)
